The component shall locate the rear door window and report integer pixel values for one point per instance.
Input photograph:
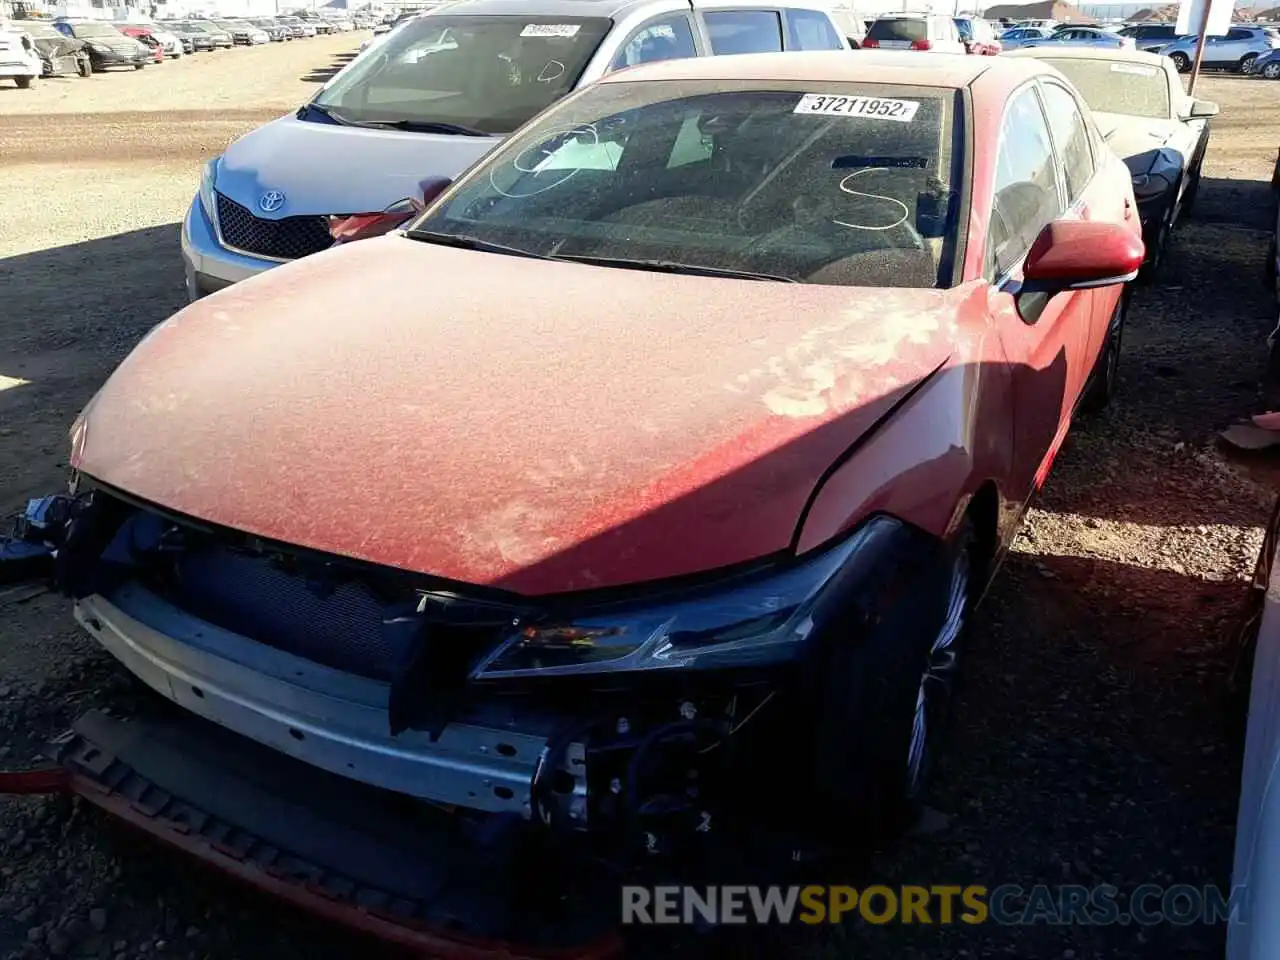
(744, 31)
(667, 38)
(1071, 137)
(811, 30)
(1026, 186)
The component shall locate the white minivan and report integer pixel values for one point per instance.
(436, 95)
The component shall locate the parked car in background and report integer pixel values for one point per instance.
(19, 60)
(59, 54)
(1150, 36)
(1268, 65)
(362, 147)
(1015, 37)
(276, 32)
(191, 40)
(1235, 50)
(144, 36)
(1081, 37)
(297, 28)
(171, 43)
(923, 32)
(849, 21)
(216, 36)
(1146, 117)
(243, 33)
(978, 36)
(107, 46)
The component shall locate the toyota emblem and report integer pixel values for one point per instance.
(271, 201)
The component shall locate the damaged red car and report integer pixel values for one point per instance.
(632, 500)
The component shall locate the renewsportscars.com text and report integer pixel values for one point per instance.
(1008, 904)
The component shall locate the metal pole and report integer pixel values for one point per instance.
(1195, 67)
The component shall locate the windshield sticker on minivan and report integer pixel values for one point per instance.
(551, 30)
(876, 108)
(1137, 69)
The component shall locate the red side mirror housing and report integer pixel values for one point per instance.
(1078, 254)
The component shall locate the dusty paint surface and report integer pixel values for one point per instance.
(535, 426)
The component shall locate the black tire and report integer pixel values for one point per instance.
(139, 66)
(24, 83)
(1246, 62)
(1181, 61)
(885, 699)
(84, 68)
(1101, 389)
(1193, 193)
(1151, 270)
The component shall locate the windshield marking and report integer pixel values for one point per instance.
(845, 188)
(873, 108)
(551, 30)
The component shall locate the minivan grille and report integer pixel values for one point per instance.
(285, 239)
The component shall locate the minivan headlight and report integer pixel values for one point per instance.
(206, 188)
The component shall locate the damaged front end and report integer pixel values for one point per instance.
(624, 733)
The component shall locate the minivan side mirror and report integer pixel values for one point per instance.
(1080, 254)
(1202, 110)
(431, 188)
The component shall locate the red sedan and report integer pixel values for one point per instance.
(699, 413)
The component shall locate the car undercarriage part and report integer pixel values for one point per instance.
(413, 875)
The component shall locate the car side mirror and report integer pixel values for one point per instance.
(1079, 254)
(1202, 110)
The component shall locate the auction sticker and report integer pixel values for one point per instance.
(875, 108)
(551, 30)
(1137, 69)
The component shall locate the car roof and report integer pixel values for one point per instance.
(612, 9)
(946, 70)
(1125, 54)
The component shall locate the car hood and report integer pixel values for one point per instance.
(321, 168)
(121, 44)
(534, 426)
(1138, 139)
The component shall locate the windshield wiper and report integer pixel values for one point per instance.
(471, 243)
(427, 126)
(324, 112)
(668, 266)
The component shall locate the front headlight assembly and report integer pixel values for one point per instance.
(207, 182)
(748, 621)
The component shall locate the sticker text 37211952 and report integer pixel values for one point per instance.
(872, 108)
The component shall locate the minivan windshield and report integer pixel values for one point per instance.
(847, 184)
(484, 73)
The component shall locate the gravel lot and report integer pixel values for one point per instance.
(1090, 744)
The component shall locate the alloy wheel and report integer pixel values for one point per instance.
(1181, 61)
(1246, 62)
(1272, 70)
(938, 679)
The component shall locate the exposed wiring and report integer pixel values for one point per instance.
(741, 723)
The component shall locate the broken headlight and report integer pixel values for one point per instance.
(748, 621)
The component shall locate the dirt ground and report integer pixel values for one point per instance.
(1089, 743)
